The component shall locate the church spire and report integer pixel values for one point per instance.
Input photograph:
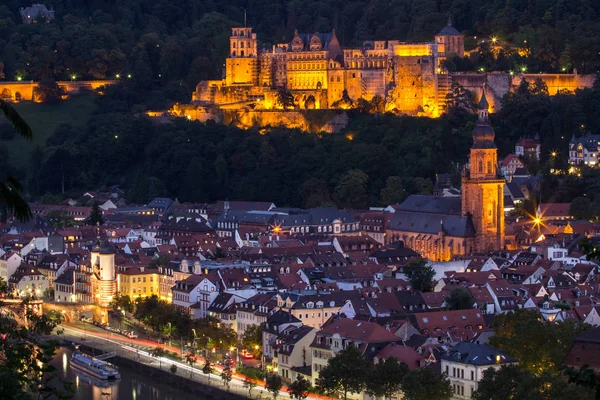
(449, 20)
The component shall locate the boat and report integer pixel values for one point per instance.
(90, 380)
(97, 368)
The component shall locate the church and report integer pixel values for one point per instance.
(440, 228)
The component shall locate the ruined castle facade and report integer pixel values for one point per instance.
(317, 70)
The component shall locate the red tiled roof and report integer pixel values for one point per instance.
(403, 354)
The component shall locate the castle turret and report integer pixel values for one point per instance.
(103, 266)
(452, 41)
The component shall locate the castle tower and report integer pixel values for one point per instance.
(483, 191)
(104, 273)
(241, 67)
(452, 41)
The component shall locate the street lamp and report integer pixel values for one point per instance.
(237, 354)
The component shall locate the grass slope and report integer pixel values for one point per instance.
(43, 120)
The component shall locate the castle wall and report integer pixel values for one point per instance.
(241, 71)
(498, 84)
(24, 91)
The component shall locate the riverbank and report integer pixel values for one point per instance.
(137, 355)
(166, 377)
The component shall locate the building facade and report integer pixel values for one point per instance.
(319, 73)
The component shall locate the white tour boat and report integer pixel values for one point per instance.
(97, 368)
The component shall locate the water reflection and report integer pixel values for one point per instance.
(131, 386)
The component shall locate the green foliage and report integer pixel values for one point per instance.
(385, 379)
(159, 261)
(299, 389)
(25, 372)
(249, 384)
(513, 333)
(581, 208)
(513, 382)
(48, 91)
(426, 384)
(252, 339)
(420, 275)
(585, 377)
(95, 217)
(254, 373)
(273, 384)
(285, 99)
(120, 302)
(345, 373)
(3, 286)
(460, 299)
(226, 376)
(393, 192)
(50, 199)
(158, 352)
(60, 219)
(208, 369)
(173, 368)
(351, 190)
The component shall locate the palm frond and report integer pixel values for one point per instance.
(11, 200)
(16, 120)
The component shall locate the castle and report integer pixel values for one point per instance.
(318, 71)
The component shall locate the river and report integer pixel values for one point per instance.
(131, 386)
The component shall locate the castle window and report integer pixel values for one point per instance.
(480, 166)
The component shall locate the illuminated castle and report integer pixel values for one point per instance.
(317, 70)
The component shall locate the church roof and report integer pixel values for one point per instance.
(325, 39)
(449, 30)
(483, 103)
(431, 204)
(431, 223)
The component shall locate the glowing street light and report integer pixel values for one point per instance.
(19, 78)
(73, 77)
(118, 76)
(128, 76)
(494, 39)
(553, 154)
(524, 69)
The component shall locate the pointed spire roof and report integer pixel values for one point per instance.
(483, 103)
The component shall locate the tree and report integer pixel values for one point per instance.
(581, 208)
(95, 217)
(226, 375)
(385, 379)
(60, 219)
(299, 389)
(460, 299)
(393, 192)
(459, 100)
(249, 384)
(208, 369)
(543, 355)
(508, 382)
(285, 99)
(48, 91)
(190, 359)
(173, 368)
(252, 339)
(426, 384)
(585, 377)
(420, 275)
(11, 201)
(168, 330)
(158, 352)
(345, 373)
(3, 286)
(351, 190)
(315, 193)
(273, 383)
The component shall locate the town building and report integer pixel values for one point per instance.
(529, 148)
(36, 12)
(584, 149)
(465, 363)
(28, 281)
(139, 281)
(104, 274)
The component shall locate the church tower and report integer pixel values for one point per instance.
(104, 278)
(482, 190)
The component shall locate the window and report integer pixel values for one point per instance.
(472, 378)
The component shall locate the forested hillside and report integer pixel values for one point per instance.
(167, 47)
(159, 41)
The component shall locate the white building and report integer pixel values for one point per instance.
(465, 363)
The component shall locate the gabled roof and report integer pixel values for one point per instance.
(347, 328)
(477, 354)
